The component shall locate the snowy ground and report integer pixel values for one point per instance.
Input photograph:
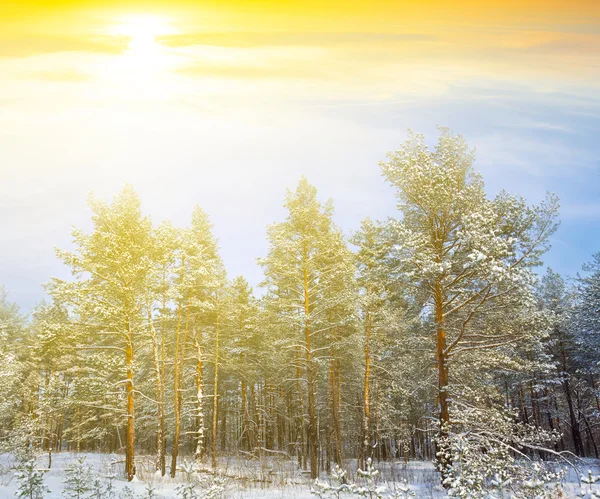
(269, 479)
(252, 479)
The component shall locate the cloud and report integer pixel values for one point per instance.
(66, 75)
(32, 45)
(277, 39)
(254, 72)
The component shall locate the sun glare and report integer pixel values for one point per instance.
(143, 30)
(142, 70)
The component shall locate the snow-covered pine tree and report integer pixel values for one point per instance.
(126, 493)
(369, 488)
(111, 266)
(18, 428)
(585, 325)
(587, 315)
(30, 481)
(244, 349)
(200, 280)
(555, 297)
(158, 296)
(306, 263)
(204, 287)
(379, 305)
(51, 353)
(463, 249)
(78, 479)
(149, 492)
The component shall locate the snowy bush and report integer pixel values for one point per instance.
(31, 481)
(485, 458)
(78, 481)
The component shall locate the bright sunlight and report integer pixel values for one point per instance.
(142, 70)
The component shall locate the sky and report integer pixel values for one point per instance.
(226, 104)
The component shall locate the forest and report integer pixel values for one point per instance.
(437, 335)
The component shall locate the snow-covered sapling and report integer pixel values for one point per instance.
(215, 491)
(98, 489)
(109, 489)
(150, 492)
(337, 485)
(589, 480)
(369, 489)
(31, 481)
(78, 481)
(403, 491)
(103, 489)
(126, 493)
(188, 489)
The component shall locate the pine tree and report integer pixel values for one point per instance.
(78, 480)
(587, 312)
(374, 284)
(244, 348)
(461, 249)
(557, 299)
(112, 266)
(164, 241)
(200, 280)
(307, 260)
(30, 481)
(17, 425)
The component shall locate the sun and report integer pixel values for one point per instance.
(143, 70)
(142, 31)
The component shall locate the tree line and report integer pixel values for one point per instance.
(415, 337)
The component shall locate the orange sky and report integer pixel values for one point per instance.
(349, 14)
(528, 35)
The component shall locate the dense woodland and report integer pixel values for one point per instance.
(436, 334)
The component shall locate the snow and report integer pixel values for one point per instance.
(421, 477)
(285, 480)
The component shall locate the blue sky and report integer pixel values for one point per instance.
(526, 143)
(186, 126)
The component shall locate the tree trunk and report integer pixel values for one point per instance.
(337, 422)
(163, 431)
(160, 439)
(575, 432)
(215, 420)
(366, 416)
(176, 392)
(590, 434)
(299, 415)
(310, 375)
(245, 415)
(443, 458)
(199, 402)
(129, 441)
